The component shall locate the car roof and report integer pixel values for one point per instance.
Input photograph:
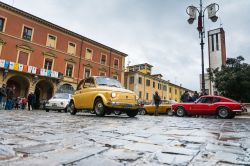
(221, 97)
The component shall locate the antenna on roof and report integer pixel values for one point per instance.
(13, 1)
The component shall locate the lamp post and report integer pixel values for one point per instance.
(191, 11)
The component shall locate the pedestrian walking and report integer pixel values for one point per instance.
(9, 101)
(157, 101)
(31, 101)
(3, 96)
(23, 103)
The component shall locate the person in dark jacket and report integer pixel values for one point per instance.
(195, 96)
(9, 102)
(185, 97)
(3, 96)
(157, 100)
(31, 101)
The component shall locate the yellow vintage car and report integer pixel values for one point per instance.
(164, 108)
(103, 95)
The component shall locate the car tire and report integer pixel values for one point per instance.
(143, 111)
(117, 112)
(132, 113)
(99, 108)
(170, 112)
(92, 111)
(180, 112)
(71, 108)
(65, 109)
(223, 112)
(47, 110)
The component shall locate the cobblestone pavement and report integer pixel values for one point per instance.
(41, 138)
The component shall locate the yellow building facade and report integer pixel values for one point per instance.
(139, 79)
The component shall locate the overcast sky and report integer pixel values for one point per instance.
(150, 31)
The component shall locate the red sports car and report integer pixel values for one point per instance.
(209, 105)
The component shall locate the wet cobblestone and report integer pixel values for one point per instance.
(41, 138)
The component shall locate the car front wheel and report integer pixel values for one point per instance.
(143, 111)
(223, 113)
(180, 112)
(71, 108)
(99, 108)
(170, 112)
(117, 112)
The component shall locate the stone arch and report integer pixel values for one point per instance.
(44, 90)
(66, 88)
(20, 83)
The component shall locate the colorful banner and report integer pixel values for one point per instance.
(16, 66)
(29, 69)
(6, 64)
(20, 67)
(11, 66)
(2, 62)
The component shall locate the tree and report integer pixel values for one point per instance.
(233, 80)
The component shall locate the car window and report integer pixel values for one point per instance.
(61, 96)
(79, 86)
(216, 99)
(205, 100)
(106, 81)
(89, 82)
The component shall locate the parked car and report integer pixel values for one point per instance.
(58, 102)
(209, 105)
(103, 95)
(164, 108)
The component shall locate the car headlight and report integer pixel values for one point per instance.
(113, 94)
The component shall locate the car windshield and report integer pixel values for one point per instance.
(105, 81)
(61, 96)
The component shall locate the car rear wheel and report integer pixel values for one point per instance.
(170, 112)
(92, 111)
(99, 108)
(132, 113)
(143, 111)
(180, 112)
(71, 108)
(117, 112)
(223, 113)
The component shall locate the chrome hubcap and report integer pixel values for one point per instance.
(98, 108)
(223, 113)
(180, 112)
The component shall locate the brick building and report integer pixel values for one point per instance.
(39, 56)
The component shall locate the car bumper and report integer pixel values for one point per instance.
(54, 108)
(238, 110)
(119, 105)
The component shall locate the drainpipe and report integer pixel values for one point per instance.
(110, 51)
(80, 58)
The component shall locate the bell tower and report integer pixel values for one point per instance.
(216, 52)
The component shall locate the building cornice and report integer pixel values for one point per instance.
(54, 26)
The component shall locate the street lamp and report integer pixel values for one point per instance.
(191, 11)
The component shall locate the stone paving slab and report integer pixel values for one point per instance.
(41, 138)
